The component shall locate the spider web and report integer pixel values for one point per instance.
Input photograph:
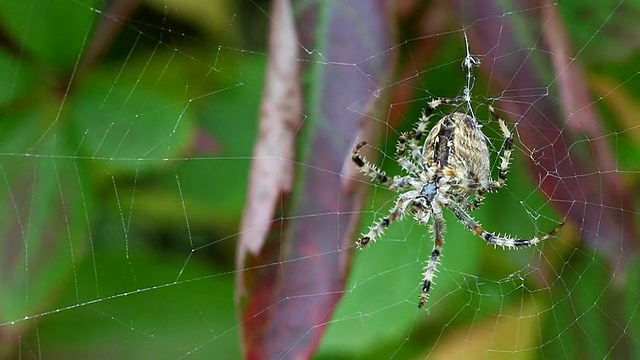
(130, 137)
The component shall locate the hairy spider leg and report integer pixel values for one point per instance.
(416, 135)
(432, 263)
(367, 168)
(407, 164)
(493, 239)
(375, 174)
(397, 183)
(396, 213)
(412, 139)
(479, 198)
(434, 103)
(505, 158)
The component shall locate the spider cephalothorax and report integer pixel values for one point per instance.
(451, 169)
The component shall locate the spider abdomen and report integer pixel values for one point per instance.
(456, 142)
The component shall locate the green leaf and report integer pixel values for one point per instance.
(17, 79)
(127, 127)
(602, 30)
(43, 208)
(228, 119)
(591, 312)
(55, 31)
(135, 319)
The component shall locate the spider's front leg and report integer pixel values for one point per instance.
(395, 183)
(407, 163)
(367, 168)
(413, 137)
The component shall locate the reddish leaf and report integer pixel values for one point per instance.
(107, 29)
(434, 19)
(579, 182)
(290, 285)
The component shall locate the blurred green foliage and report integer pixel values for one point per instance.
(121, 177)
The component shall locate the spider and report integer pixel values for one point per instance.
(451, 169)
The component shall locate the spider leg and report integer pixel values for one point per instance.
(375, 174)
(434, 103)
(477, 201)
(403, 182)
(505, 158)
(367, 168)
(408, 164)
(411, 139)
(378, 227)
(480, 192)
(493, 239)
(430, 269)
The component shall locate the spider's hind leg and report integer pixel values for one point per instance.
(430, 269)
(505, 158)
(493, 239)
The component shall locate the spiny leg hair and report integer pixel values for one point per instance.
(432, 263)
(493, 239)
(396, 213)
(367, 168)
(379, 227)
(397, 183)
(505, 158)
(375, 174)
(413, 137)
(408, 164)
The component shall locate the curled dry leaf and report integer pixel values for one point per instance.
(272, 166)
